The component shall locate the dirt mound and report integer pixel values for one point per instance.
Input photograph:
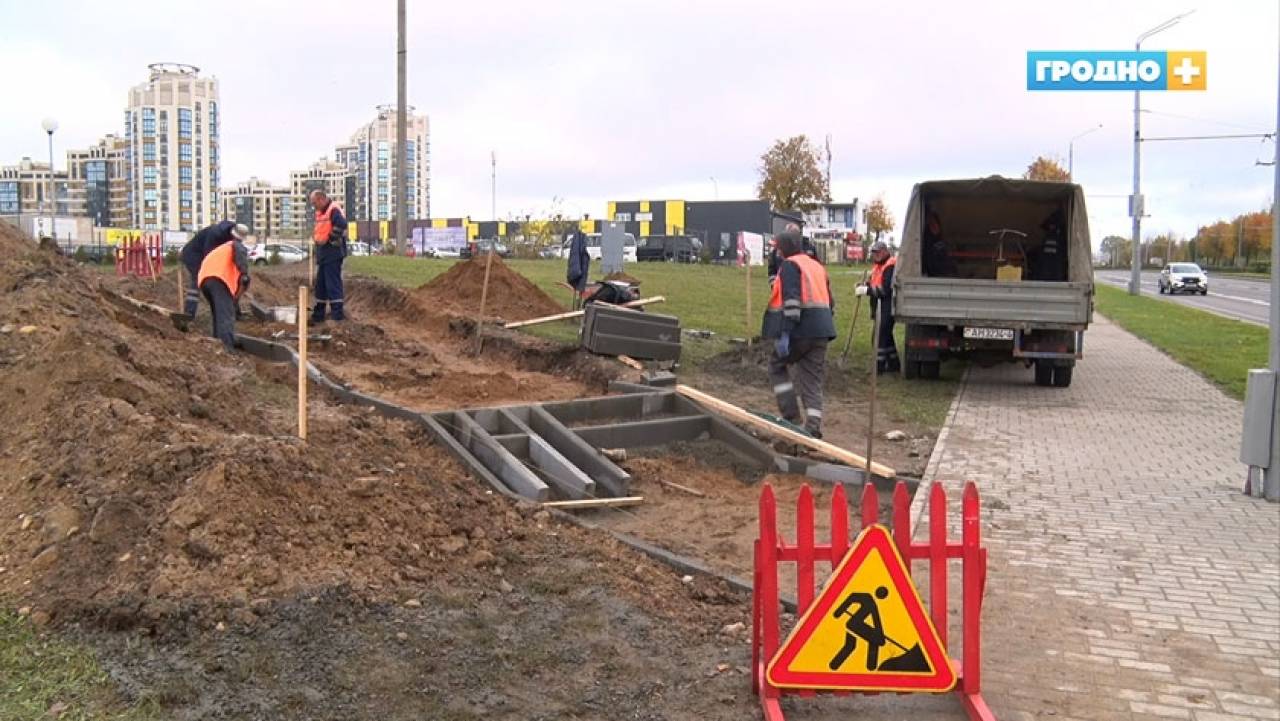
(144, 470)
(511, 295)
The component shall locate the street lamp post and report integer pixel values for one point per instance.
(716, 186)
(49, 126)
(1135, 201)
(1071, 151)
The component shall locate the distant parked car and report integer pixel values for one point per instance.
(670, 248)
(1186, 277)
(358, 248)
(483, 246)
(260, 254)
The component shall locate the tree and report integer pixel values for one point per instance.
(879, 219)
(1117, 249)
(791, 175)
(1045, 168)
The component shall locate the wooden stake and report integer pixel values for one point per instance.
(827, 449)
(875, 360)
(622, 502)
(182, 296)
(749, 301)
(683, 489)
(484, 297)
(579, 313)
(302, 362)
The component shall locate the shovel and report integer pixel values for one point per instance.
(853, 324)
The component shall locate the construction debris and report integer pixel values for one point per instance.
(580, 313)
(590, 503)
(611, 330)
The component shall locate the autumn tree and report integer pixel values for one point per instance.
(1045, 168)
(879, 219)
(1118, 250)
(791, 175)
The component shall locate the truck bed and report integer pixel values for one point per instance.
(966, 302)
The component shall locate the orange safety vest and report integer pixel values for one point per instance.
(814, 291)
(324, 223)
(877, 272)
(220, 263)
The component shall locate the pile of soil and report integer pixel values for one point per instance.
(511, 295)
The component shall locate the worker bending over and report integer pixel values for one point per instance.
(330, 235)
(799, 319)
(194, 252)
(223, 277)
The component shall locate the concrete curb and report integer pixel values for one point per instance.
(930, 475)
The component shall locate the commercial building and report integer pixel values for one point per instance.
(269, 211)
(172, 126)
(714, 222)
(102, 169)
(837, 219)
(370, 157)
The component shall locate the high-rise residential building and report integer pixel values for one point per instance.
(269, 211)
(103, 169)
(330, 176)
(24, 188)
(171, 125)
(371, 158)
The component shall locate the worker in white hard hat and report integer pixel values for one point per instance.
(195, 251)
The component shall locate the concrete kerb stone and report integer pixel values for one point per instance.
(930, 476)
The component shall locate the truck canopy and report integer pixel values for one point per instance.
(968, 210)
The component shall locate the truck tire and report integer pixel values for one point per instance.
(1044, 373)
(1062, 376)
(930, 370)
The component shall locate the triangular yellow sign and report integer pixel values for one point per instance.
(867, 630)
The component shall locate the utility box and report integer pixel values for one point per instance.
(614, 330)
(1259, 417)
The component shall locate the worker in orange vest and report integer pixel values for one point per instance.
(224, 276)
(800, 321)
(330, 236)
(879, 291)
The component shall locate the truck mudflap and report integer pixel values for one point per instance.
(1049, 345)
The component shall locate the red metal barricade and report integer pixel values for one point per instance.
(142, 256)
(771, 550)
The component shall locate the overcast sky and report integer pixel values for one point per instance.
(591, 101)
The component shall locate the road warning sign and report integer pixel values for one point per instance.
(866, 631)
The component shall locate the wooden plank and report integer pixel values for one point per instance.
(580, 313)
(622, 502)
(827, 449)
(632, 362)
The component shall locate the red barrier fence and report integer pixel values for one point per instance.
(141, 256)
(771, 550)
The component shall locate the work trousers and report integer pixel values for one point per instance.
(328, 290)
(803, 369)
(223, 306)
(886, 350)
(191, 301)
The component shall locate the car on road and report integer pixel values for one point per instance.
(1183, 277)
(594, 250)
(260, 253)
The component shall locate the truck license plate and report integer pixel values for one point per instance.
(989, 333)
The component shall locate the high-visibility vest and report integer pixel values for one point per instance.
(324, 223)
(877, 272)
(814, 291)
(220, 263)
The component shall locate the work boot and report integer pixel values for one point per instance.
(814, 431)
(317, 313)
(336, 312)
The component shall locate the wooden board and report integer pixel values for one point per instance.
(827, 449)
(580, 313)
(595, 503)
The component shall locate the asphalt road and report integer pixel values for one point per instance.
(1246, 300)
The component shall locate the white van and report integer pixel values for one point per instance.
(593, 247)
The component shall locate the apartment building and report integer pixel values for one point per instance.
(269, 211)
(370, 157)
(172, 164)
(25, 190)
(102, 169)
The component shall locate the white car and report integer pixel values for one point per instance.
(1184, 277)
(260, 254)
(359, 248)
(593, 247)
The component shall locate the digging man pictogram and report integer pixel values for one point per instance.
(864, 623)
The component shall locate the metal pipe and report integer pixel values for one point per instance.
(1271, 474)
(402, 150)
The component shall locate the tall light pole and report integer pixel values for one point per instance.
(1271, 476)
(715, 185)
(1071, 151)
(493, 190)
(49, 126)
(402, 140)
(1135, 201)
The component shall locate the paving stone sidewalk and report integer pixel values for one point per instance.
(1130, 578)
